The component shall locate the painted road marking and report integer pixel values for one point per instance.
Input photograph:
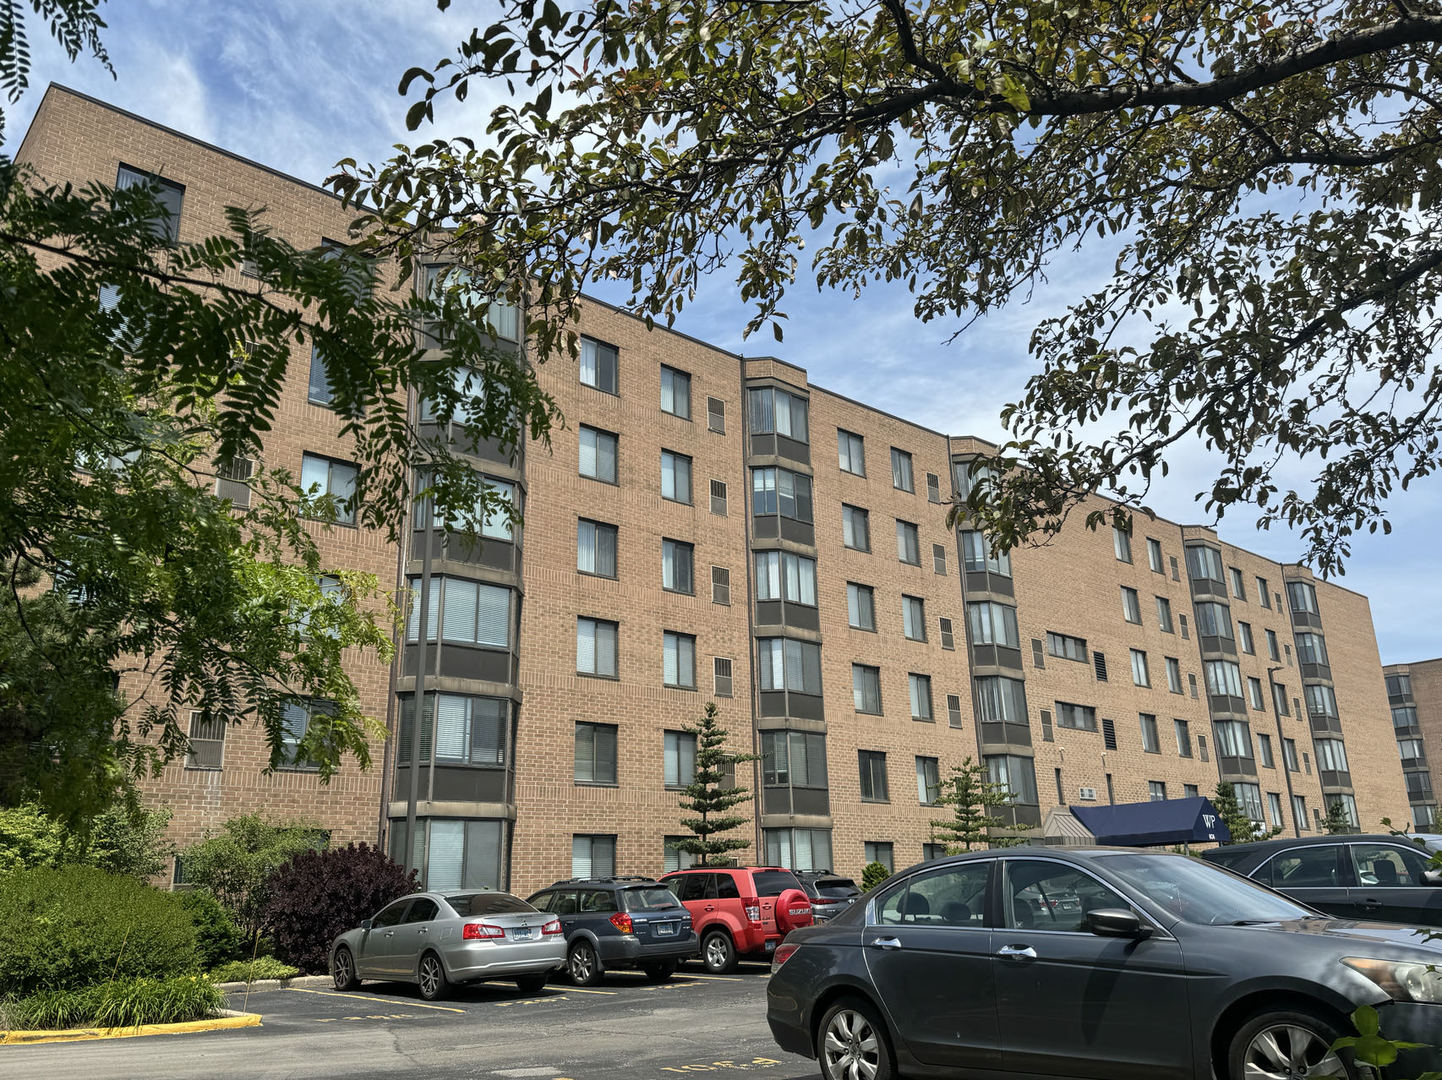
(379, 1000)
(578, 990)
(715, 978)
(720, 1066)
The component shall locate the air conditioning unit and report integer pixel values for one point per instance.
(1087, 794)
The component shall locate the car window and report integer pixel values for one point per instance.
(541, 901)
(423, 909)
(1387, 866)
(774, 882)
(597, 901)
(835, 888)
(1229, 859)
(724, 888)
(687, 886)
(392, 915)
(648, 898)
(1305, 868)
(488, 903)
(564, 903)
(1040, 895)
(1197, 892)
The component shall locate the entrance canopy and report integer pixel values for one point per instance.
(1149, 824)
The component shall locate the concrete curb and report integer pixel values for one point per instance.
(229, 988)
(227, 1020)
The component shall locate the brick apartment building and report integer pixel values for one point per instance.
(690, 536)
(1414, 692)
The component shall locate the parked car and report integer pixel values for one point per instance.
(619, 922)
(435, 939)
(830, 894)
(1170, 968)
(740, 911)
(1361, 877)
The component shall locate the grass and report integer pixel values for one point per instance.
(262, 967)
(119, 1004)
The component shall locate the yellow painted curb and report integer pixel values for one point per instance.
(217, 1023)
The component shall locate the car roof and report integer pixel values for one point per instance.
(1280, 842)
(724, 869)
(621, 881)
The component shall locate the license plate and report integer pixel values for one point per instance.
(665, 929)
(521, 933)
(771, 946)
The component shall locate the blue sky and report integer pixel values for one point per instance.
(299, 86)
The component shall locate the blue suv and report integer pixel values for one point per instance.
(619, 922)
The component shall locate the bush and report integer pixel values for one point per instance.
(122, 839)
(120, 1004)
(873, 874)
(320, 894)
(78, 926)
(262, 967)
(217, 939)
(236, 866)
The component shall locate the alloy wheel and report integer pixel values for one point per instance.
(1288, 1051)
(582, 967)
(716, 952)
(343, 973)
(430, 976)
(851, 1048)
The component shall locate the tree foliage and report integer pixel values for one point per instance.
(1263, 179)
(237, 864)
(708, 797)
(972, 796)
(121, 839)
(1336, 821)
(873, 874)
(1243, 829)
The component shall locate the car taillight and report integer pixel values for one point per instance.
(622, 922)
(479, 931)
(781, 955)
(551, 929)
(753, 909)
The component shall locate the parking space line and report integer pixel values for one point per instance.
(715, 978)
(578, 990)
(369, 997)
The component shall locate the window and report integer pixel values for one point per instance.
(595, 753)
(1331, 755)
(675, 477)
(1239, 588)
(1141, 676)
(167, 194)
(207, 741)
(1264, 751)
(593, 856)
(1279, 699)
(673, 858)
(1157, 790)
(855, 528)
(721, 675)
(597, 454)
(1214, 620)
(933, 488)
(913, 618)
(295, 718)
(1321, 701)
(678, 560)
(1411, 750)
(678, 660)
(495, 520)
(860, 606)
(784, 576)
(1182, 623)
(1404, 717)
(866, 688)
(1348, 805)
(1191, 684)
(794, 759)
(464, 730)
(873, 776)
(1080, 717)
(319, 392)
(851, 450)
(1068, 648)
(679, 749)
(1202, 747)
(798, 849)
(1250, 796)
(1183, 732)
(953, 710)
(716, 415)
(1122, 543)
(1151, 738)
(1131, 606)
(928, 780)
(595, 548)
(1299, 808)
(920, 686)
(467, 612)
(596, 647)
(1312, 649)
(1190, 791)
(901, 477)
(721, 585)
(878, 851)
(938, 559)
(1244, 638)
(781, 491)
(1164, 614)
(232, 480)
(1302, 597)
(774, 410)
(1254, 693)
(598, 365)
(675, 392)
(1272, 650)
(718, 498)
(1154, 555)
(1000, 700)
(1399, 686)
(501, 318)
(992, 624)
(908, 547)
(787, 664)
(978, 555)
(1016, 774)
(1262, 592)
(332, 478)
(1234, 739)
(948, 639)
(1223, 677)
(1204, 564)
(1174, 675)
(1289, 755)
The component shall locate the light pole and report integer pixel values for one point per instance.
(1282, 747)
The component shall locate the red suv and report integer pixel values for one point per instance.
(740, 911)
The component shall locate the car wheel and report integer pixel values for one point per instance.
(342, 969)
(851, 1043)
(659, 972)
(582, 964)
(531, 984)
(718, 954)
(432, 977)
(1287, 1045)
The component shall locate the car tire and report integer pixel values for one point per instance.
(533, 983)
(851, 1041)
(342, 969)
(659, 972)
(718, 952)
(431, 977)
(1281, 1039)
(583, 965)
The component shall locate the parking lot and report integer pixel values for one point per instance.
(623, 1028)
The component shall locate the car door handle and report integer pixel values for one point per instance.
(424, 930)
(1370, 904)
(1017, 952)
(710, 907)
(390, 933)
(890, 944)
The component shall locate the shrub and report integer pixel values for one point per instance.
(320, 894)
(262, 967)
(77, 926)
(119, 1004)
(217, 938)
(873, 874)
(237, 865)
(122, 839)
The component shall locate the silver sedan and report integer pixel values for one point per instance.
(435, 939)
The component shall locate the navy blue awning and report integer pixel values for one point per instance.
(1145, 824)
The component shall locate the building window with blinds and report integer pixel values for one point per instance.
(798, 849)
(596, 647)
(679, 660)
(459, 729)
(456, 854)
(466, 612)
(595, 753)
(207, 742)
(295, 719)
(593, 856)
(679, 749)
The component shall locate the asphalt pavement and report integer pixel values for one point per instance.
(623, 1029)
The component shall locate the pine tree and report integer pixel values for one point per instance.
(1239, 823)
(1337, 822)
(970, 792)
(707, 798)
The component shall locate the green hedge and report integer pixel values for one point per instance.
(123, 1003)
(78, 927)
(217, 937)
(262, 967)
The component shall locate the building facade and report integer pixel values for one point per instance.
(1414, 693)
(711, 527)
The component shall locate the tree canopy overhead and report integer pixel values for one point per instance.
(1269, 172)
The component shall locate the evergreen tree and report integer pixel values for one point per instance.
(972, 794)
(1336, 823)
(1239, 823)
(707, 798)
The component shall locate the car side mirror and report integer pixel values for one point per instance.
(366, 924)
(1116, 922)
(1432, 877)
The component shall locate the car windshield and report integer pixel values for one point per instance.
(775, 882)
(488, 903)
(1198, 892)
(836, 888)
(649, 898)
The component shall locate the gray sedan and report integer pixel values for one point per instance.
(438, 938)
(1155, 967)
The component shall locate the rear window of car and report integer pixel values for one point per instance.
(774, 882)
(653, 898)
(836, 888)
(1226, 858)
(488, 903)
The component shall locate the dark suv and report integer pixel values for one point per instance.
(830, 894)
(740, 911)
(619, 922)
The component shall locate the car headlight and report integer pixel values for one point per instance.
(1400, 980)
